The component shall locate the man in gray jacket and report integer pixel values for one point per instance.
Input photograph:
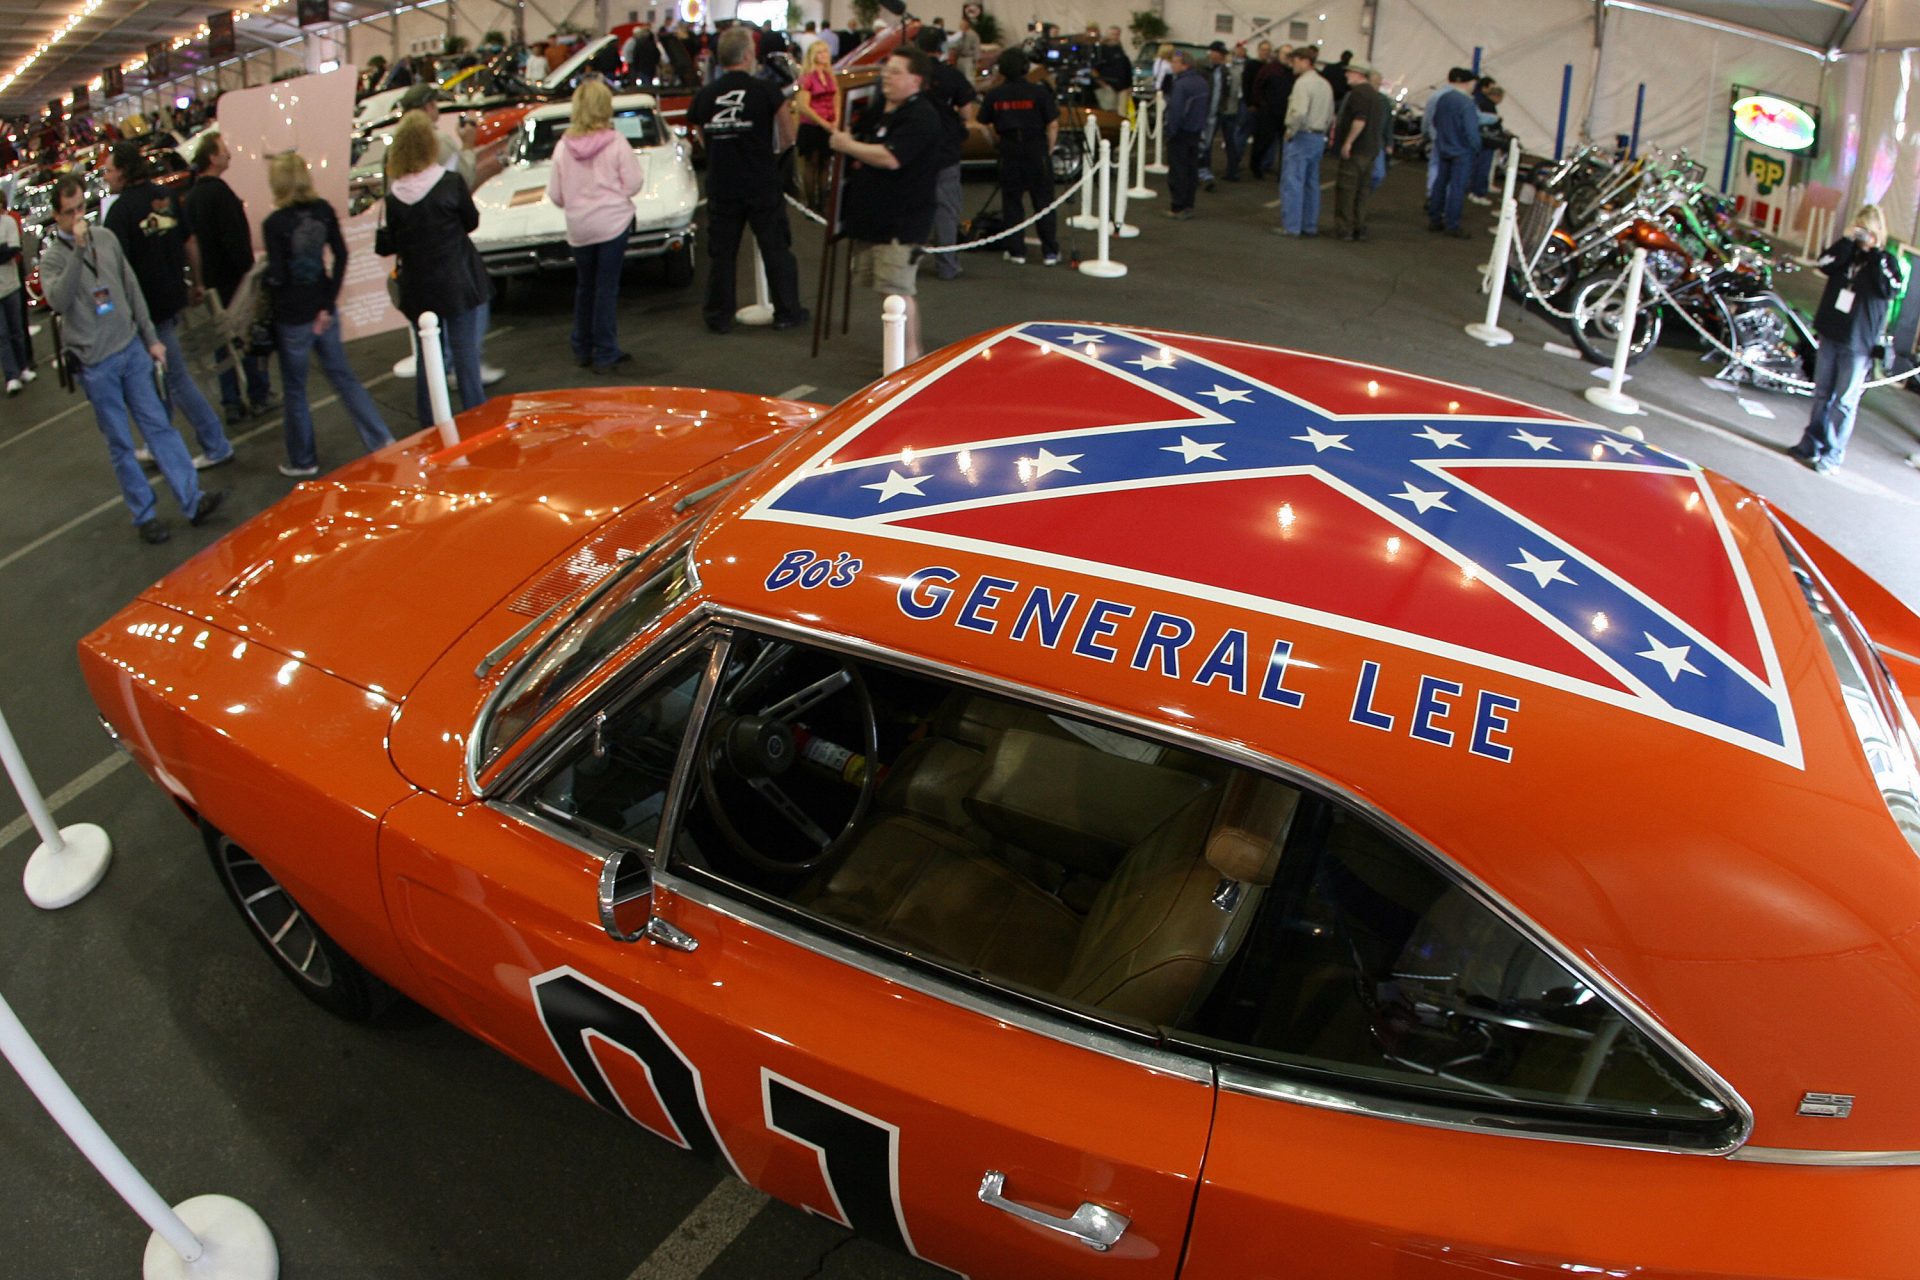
(104, 323)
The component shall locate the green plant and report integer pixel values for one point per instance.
(455, 46)
(1147, 27)
(987, 27)
(868, 11)
(494, 40)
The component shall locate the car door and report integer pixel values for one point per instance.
(989, 1135)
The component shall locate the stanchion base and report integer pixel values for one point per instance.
(756, 313)
(1125, 230)
(1105, 268)
(1141, 192)
(1491, 334)
(1632, 433)
(1088, 223)
(55, 879)
(239, 1245)
(1612, 401)
(1156, 169)
(407, 367)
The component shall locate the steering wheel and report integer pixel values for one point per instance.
(750, 740)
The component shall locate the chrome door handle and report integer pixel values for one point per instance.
(1094, 1226)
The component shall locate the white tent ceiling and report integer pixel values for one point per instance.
(1819, 24)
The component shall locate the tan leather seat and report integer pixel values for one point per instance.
(1170, 919)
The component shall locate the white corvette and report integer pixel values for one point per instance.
(521, 231)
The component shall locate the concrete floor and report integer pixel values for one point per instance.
(410, 1150)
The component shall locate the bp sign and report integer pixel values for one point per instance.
(1775, 122)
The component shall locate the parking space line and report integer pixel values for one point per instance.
(704, 1233)
(70, 525)
(1849, 479)
(66, 795)
(72, 408)
(794, 393)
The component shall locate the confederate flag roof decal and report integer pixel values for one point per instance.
(1398, 508)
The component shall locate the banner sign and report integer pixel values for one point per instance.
(113, 82)
(1775, 122)
(159, 62)
(313, 13)
(79, 97)
(220, 34)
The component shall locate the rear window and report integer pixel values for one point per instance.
(640, 126)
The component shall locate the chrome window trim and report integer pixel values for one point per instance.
(1010, 1011)
(1460, 1119)
(1828, 1159)
(1631, 1010)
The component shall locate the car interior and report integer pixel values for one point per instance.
(1160, 889)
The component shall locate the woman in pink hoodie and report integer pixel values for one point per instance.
(595, 178)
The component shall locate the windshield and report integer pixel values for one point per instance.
(631, 599)
(640, 126)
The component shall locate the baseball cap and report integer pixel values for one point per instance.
(1218, 46)
(418, 96)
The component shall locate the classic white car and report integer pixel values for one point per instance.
(467, 89)
(521, 231)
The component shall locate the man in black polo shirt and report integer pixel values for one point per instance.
(218, 222)
(1026, 119)
(888, 205)
(950, 93)
(739, 116)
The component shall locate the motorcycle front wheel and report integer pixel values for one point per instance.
(1598, 304)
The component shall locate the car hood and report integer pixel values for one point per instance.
(434, 535)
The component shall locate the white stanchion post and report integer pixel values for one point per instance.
(1489, 330)
(893, 334)
(70, 860)
(409, 365)
(1085, 220)
(1611, 397)
(1159, 164)
(433, 369)
(1121, 227)
(226, 1240)
(760, 310)
(1140, 190)
(1103, 265)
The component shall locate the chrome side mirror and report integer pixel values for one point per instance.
(631, 919)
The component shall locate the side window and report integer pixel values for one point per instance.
(612, 780)
(1371, 971)
(963, 830)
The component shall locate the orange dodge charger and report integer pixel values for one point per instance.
(1102, 802)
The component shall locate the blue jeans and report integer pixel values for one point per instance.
(121, 390)
(13, 334)
(460, 337)
(1300, 183)
(186, 396)
(230, 367)
(596, 295)
(1231, 135)
(1379, 170)
(297, 342)
(1482, 177)
(1449, 193)
(1838, 372)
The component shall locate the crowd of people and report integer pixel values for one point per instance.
(121, 288)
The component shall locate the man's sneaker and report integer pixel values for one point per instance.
(27, 374)
(1479, 200)
(1017, 259)
(1051, 260)
(201, 462)
(261, 408)
(143, 456)
(292, 472)
(152, 532)
(236, 415)
(209, 503)
(490, 375)
(13, 386)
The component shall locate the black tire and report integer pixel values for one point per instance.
(312, 961)
(676, 268)
(1067, 156)
(1554, 272)
(1595, 324)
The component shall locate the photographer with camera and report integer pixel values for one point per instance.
(1026, 120)
(1862, 278)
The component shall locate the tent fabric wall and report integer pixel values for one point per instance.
(1524, 46)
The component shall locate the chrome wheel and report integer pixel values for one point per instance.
(274, 915)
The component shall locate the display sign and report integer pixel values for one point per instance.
(80, 102)
(1775, 122)
(113, 82)
(159, 61)
(313, 13)
(220, 34)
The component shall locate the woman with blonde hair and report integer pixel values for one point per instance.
(818, 104)
(427, 215)
(595, 178)
(300, 232)
(1862, 278)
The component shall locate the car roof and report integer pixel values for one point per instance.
(1580, 668)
